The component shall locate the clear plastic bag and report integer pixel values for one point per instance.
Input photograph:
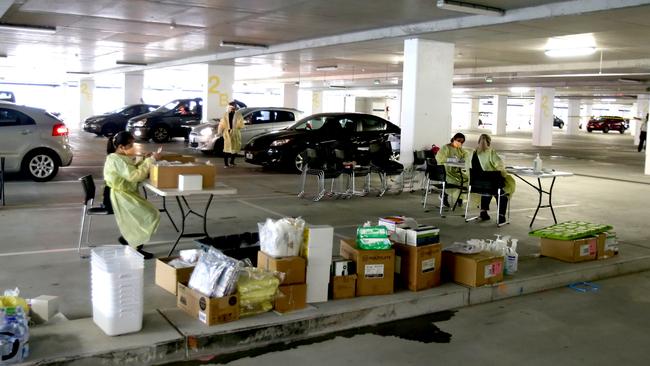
(215, 274)
(282, 238)
(257, 289)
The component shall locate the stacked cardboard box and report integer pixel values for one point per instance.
(418, 267)
(178, 158)
(472, 269)
(209, 310)
(292, 294)
(375, 268)
(421, 235)
(344, 279)
(168, 277)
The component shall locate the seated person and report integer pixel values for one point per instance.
(457, 176)
(182, 110)
(487, 159)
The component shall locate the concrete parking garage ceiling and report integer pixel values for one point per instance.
(363, 38)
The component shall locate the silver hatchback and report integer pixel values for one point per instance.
(33, 141)
(257, 120)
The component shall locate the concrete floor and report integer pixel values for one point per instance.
(39, 227)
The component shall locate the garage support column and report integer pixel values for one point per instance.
(290, 96)
(573, 119)
(217, 90)
(501, 107)
(587, 115)
(543, 117)
(350, 103)
(474, 113)
(86, 91)
(426, 96)
(317, 102)
(133, 85)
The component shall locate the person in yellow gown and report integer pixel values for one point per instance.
(454, 149)
(230, 128)
(136, 217)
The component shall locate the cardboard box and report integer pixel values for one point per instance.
(178, 157)
(578, 250)
(167, 276)
(375, 268)
(294, 268)
(418, 268)
(472, 269)
(291, 297)
(190, 182)
(166, 176)
(207, 310)
(343, 287)
(342, 267)
(607, 245)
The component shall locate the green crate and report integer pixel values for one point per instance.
(570, 230)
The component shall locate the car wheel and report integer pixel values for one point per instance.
(218, 147)
(299, 161)
(605, 130)
(589, 130)
(622, 130)
(561, 126)
(109, 130)
(160, 134)
(40, 165)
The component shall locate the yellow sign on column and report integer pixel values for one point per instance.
(213, 88)
(85, 91)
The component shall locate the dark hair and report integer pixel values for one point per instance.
(233, 103)
(121, 138)
(458, 136)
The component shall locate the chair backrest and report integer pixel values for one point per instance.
(485, 181)
(435, 171)
(419, 157)
(88, 185)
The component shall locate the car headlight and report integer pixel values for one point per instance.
(207, 131)
(140, 123)
(280, 142)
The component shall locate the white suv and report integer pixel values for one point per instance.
(33, 141)
(257, 120)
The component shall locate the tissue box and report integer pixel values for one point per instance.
(190, 182)
(45, 306)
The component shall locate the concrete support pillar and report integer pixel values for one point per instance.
(426, 95)
(217, 90)
(573, 119)
(543, 117)
(474, 113)
(133, 85)
(501, 109)
(587, 115)
(317, 102)
(290, 95)
(86, 92)
(350, 103)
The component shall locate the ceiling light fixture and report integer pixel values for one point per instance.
(470, 8)
(129, 63)
(583, 44)
(570, 52)
(488, 79)
(377, 82)
(27, 28)
(327, 68)
(242, 45)
(172, 25)
(77, 72)
(630, 81)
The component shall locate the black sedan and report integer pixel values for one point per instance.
(110, 123)
(285, 148)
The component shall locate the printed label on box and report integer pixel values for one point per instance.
(374, 271)
(611, 243)
(398, 264)
(428, 265)
(587, 249)
(493, 269)
(202, 317)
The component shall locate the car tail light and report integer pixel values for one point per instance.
(59, 129)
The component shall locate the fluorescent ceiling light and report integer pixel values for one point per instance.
(77, 72)
(327, 68)
(128, 63)
(338, 87)
(242, 45)
(608, 100)
(572, 45)
(377, 82)
(570, 52)
(488, 79)
(470, 8)
(518, 89)
(27, 28)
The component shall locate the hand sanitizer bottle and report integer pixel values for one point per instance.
(537, 164)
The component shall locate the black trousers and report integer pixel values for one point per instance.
(642, 136)
(485, 203)
(227, 156)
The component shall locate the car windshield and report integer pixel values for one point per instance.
(119, 110)
(168, 107)
(309, 123)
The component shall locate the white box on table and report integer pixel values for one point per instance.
(190, 182)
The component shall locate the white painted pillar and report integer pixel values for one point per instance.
(350, 103)
(317, 102)
(217, 90)
(133, 85)
(290, 95)
(587, 115)
(642, 104)
(474, 113)
(573, 117)
(501, 109)
(86, 92)
(543, 117)
(426, 95)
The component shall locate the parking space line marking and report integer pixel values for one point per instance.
(261, 208)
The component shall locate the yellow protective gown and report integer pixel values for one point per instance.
(453, 174)
(136, 217)
(490, 161)
(231, 137)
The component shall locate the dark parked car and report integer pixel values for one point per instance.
(285, 148)
(608, 123)
(174, 119)
(110, 123)
(558, 122)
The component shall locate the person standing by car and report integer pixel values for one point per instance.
(644, 134)
(230, 128)
(486, 158)
(454, 151)
(136, 217)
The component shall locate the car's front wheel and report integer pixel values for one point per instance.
(561, 125)
(605, 130)
(589, 129)
(160, 134)
(299, 161)
(622, 130)
(40, 165)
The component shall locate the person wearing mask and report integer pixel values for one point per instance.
(487, 159)
(137, 219)
(454, 149)
(230, 128)
(643, 133)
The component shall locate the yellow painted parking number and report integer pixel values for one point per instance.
(213, 88)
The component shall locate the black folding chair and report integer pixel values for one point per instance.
(436, 176)
(321, 161)
(487, 183)
(88, 184)
(382, 164)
